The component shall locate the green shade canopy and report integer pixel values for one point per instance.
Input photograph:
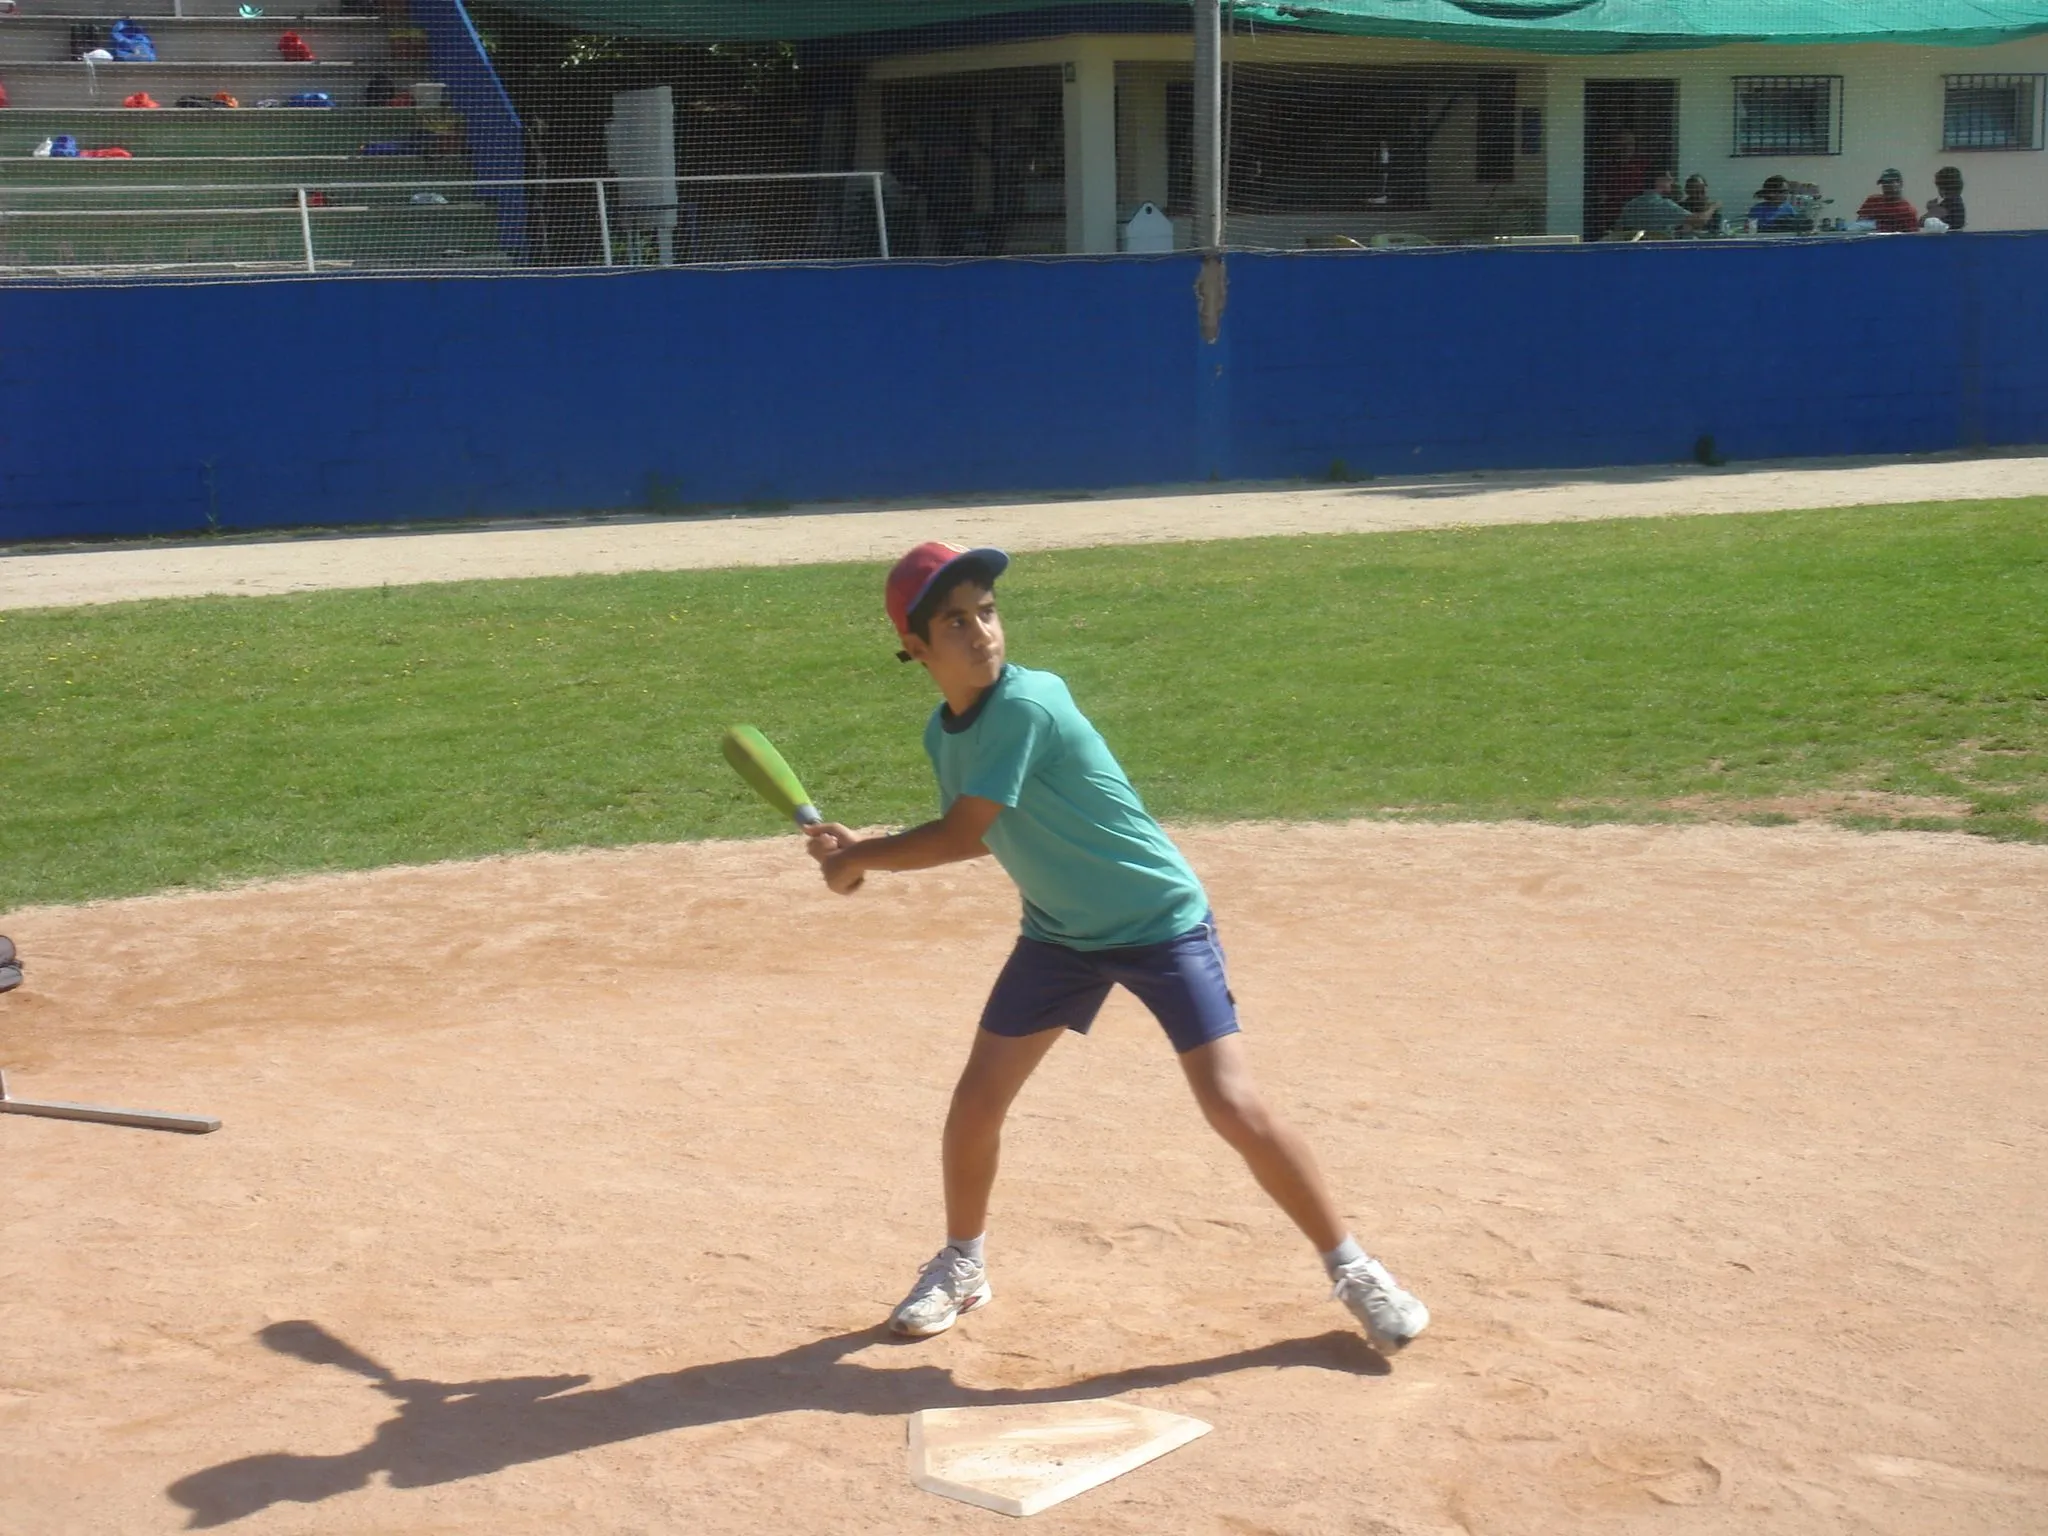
(1626, 26)
(1536, 26)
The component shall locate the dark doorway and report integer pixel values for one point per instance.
(977, 163)
(1631, 130)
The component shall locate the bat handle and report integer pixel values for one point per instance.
(807, 816)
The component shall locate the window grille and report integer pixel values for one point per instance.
(1494, 137)
(1788, 115)
(1324, 137)
(1992, 112)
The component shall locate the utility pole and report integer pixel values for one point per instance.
(1208, 124)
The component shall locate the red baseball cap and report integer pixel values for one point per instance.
(913, 577)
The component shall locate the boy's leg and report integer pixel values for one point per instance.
(996, 1069)
(1274, 1151)
(1044, 990)
(1184, 984)
(1285, 1168)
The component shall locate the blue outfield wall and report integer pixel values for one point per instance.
(160, 409)
(1563, 357)
(156, 409)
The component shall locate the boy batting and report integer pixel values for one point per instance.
(1108, 901)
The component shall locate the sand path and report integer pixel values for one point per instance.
(51, 577)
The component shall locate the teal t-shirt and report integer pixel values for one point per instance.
(1095, 870)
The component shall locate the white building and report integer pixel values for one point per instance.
(1051, 144)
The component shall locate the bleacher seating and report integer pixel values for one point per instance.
(214, 187)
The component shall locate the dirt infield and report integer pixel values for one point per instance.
(561, 1194)
(252, 567)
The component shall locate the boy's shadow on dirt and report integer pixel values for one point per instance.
(444, 1431)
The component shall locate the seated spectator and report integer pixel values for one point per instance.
(1652, 212)
(1888, 209)
(1947, 204)
(1702, 207)
(1773, 209)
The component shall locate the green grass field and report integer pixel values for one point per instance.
(1580, 672)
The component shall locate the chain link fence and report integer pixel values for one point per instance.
(380, 136)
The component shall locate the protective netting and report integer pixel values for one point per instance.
(217, 137)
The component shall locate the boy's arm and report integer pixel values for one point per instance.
(954, 837)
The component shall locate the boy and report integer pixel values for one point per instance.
(1947, 202)
(1108, 900)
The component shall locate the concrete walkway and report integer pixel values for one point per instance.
(255, 565)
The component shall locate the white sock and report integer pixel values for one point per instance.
(1346, 1252)
(968, 1247)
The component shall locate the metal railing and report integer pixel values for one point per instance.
(396, 223)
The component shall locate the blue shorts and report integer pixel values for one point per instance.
(1049, 986)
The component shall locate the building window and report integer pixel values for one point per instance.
(1991, 112)
(1494, 125)
(1788, 115)
(1314, 138)
(1180, 146)
(977, 163)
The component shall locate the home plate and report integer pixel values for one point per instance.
(1019, 1460)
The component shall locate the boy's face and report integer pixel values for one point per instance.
(966, 645)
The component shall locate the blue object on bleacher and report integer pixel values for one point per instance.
(63, 147)
(130, 44)
(309, 99)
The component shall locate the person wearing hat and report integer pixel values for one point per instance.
(1887, 207)
(1108, 901)
(1773, 210)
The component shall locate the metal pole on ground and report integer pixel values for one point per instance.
(49, 1109)
(1208, 124)
(146, 1119)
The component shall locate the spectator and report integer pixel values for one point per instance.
(1702, 207)
(1652, 212)
(1773, 210)
(1618, 176)
(1947, 204)
(1888, 209)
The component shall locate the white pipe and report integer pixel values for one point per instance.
(604, 220)
(881, 214)
(306, 230)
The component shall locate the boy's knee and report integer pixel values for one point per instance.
(976, 1106)
(1237, 1114)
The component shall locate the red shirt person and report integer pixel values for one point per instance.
(1887, 207)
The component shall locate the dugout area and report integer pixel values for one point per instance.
(566, 1193)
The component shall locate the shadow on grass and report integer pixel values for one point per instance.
(445, 1431)
(1432, 486)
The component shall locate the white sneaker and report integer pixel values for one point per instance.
(948, 1286)
(1390, 1315)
